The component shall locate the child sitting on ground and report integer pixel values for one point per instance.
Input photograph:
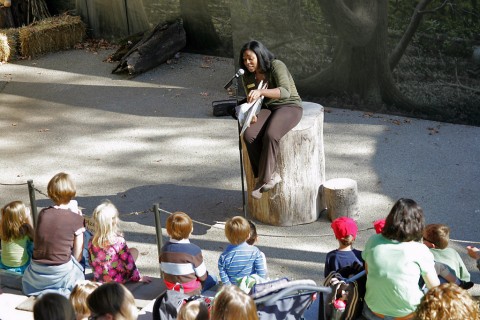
(79, 296)
(110, 257)
(239, 258)
(345, 230)
(253, 239)
(231, 303)
(112, 300)
(181, 261)
(58, 243)
(448, 263)
(193, 310)
(447, 302)
(16, 237)
(53, 306)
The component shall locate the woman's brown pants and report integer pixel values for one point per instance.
(262, 138)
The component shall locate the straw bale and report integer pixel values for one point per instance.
(4, 48)
(8, 44)
(51, 34)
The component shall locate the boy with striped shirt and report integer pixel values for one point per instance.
(181, 261)
(239, 258)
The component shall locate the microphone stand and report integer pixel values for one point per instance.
(241, 153)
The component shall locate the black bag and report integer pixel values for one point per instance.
(168, 304)
(223, 108)
(351, 288)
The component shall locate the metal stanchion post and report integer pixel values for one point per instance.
(158, 231)
(244, 203)
(33, 202)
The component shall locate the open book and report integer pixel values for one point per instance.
(246, 111)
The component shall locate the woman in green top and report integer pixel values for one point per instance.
(281, 111)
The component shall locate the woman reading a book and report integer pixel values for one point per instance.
(281, 111)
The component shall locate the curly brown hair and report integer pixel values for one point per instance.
(447, 302)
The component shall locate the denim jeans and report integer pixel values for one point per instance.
(86, 237)
(209, 283)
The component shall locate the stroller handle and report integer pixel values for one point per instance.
(270, 300)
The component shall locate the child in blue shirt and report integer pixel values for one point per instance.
(239, 258)
(345, 230)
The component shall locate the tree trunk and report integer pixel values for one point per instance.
(6, 18)
(198, 24)
(22, 13)
(360, 68)
(301, 164)
(341, 198)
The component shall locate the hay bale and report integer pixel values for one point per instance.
(8, 44)
(4, 48)
(50, 35)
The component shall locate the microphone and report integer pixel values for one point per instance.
(239, 73)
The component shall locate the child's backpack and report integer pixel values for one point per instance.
(348, 292)
(168, 304)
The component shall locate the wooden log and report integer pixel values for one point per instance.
(156, 47)
(341, 198)
(301, 164)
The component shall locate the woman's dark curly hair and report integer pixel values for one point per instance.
(405, 222)
(264, 56)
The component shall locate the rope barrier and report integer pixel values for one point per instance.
(299, 236)
(13, 184)
(136, 213)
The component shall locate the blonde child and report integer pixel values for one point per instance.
(181, 261)
(345, 230)
(239, 258)
(16, 236)
(113, 301)
(448, 263)
(447, 302)
(193, 310)
(109, 255)
(58, 243)
(79, 296)
(232, 304)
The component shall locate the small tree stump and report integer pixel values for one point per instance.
(301, 164)
(341, 198)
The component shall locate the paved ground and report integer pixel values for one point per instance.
(153, 139)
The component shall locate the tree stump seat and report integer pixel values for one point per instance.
(301, 164)
(341, 198)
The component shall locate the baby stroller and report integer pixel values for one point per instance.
(284, 299)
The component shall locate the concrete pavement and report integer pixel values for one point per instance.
(153, 139)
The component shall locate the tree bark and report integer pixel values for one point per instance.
(402, 45)
(23, 12)
(198, 24)
(301, 164)
(360, 67)
(156, 47)
(341, 198)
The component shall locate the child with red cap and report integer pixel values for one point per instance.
(345, 230)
